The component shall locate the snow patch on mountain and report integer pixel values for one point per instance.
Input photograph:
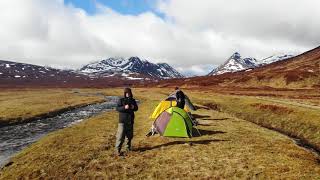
(274, 58)
(132, 67)
(234, 63)
(14, 70)
(237, 63)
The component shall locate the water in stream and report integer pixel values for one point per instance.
(16, 137)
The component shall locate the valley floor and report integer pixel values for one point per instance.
(230, 147)
(23, 105)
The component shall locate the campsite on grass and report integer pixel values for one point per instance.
(159, 89)
(232, 143)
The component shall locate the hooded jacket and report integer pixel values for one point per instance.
(127, 115)
(188, 103)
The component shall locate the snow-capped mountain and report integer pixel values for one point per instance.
(14, 70)
(107, 73)
(236, 63)
(274, 58)
(233, 64)
(14, 74)
(130, 68)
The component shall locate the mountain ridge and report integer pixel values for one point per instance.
(131, 66)
(237, 63)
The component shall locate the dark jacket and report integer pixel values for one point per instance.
(181, 99)
(126, 115)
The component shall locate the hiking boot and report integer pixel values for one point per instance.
(118, 153)
(128, 150)
(149, 134)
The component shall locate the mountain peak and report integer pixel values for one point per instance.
(131, 66)
(233, 64)
(236, 56)
(236, 63)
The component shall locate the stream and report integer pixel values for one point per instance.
(17, 137)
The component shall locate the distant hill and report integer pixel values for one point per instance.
(302, 71)
(106, 73)
(16, 75)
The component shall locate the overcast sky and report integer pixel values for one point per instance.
(191, 35)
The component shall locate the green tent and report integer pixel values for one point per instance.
(174, 122)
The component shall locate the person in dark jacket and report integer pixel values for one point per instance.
(180, 98)
(126, 107)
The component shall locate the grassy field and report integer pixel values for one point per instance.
(295, 118)
(22, 105)
(229, 148)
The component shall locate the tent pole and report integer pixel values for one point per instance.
(198, 131)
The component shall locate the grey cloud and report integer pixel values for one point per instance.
(193, 34)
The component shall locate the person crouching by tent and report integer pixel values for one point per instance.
(181, 98)
(165, 110)
(126, 107)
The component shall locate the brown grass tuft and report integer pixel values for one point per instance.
(213, 106)
(273, 108)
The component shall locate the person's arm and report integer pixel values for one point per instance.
(173, 95)
(120, 107)
(135, 106)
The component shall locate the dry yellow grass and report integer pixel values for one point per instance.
(21, 105)
(230, 148)
(299, 120)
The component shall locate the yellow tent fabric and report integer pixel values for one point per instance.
(164, 105)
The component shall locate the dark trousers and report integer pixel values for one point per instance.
(125, 130)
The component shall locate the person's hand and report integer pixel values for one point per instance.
(126, 106)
